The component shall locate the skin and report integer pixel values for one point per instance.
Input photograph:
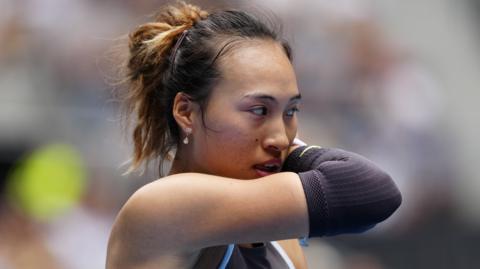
(243, 130)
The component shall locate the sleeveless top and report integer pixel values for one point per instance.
(268, 256)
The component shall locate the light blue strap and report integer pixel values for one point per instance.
(304, 241)
(226, 258)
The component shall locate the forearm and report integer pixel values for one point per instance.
(345, 192)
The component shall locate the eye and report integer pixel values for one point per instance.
(292, 111)
(259, 111)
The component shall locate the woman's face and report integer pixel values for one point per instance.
(251, 115)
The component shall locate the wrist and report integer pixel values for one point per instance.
(301, 158)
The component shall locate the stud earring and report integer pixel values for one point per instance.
(187, 131)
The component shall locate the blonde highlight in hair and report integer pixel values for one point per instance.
(149, 47)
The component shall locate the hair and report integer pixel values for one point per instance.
(176, 52)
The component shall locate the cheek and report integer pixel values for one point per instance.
(233, 136)
(292, 129)
(230, 150)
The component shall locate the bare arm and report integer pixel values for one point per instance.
(186, 212)
(334, 192)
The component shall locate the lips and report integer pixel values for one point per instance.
(269, 167)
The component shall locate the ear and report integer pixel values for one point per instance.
(184, 110)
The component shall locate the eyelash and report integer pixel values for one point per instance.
(295, 110)
(264, 111)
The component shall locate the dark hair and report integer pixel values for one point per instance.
(158, 68)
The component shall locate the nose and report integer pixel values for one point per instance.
(276, 139)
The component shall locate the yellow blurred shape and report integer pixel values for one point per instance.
(47, 182)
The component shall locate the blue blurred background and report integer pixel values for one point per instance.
(396, 81)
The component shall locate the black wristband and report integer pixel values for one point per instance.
(302, 158)
(345, 192)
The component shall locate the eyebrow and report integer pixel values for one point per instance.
(269, 97)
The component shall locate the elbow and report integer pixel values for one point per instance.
(365, 209)
(389, 197)
(377, 193)
(361, 198)
(382, 202)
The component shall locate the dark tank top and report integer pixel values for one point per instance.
(268, 256)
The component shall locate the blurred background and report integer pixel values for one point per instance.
(396, 81)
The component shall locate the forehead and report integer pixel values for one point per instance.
(256, 65)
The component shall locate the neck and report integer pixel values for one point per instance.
(182, 162)
(177, 168)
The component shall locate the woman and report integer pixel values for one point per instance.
(220, 89)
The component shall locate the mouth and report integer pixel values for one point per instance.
(267, 168)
